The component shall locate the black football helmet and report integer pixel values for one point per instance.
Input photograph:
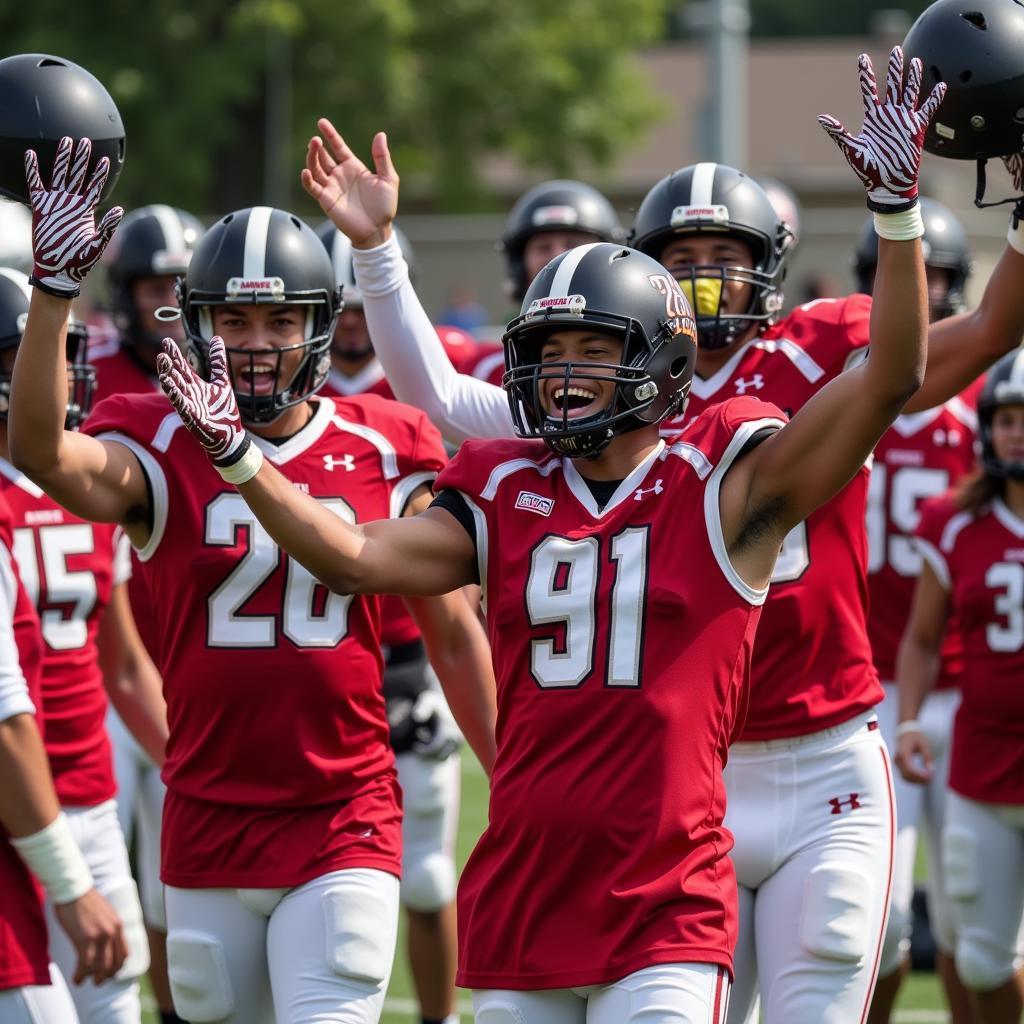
(1004, 385)
(714, 198)
(15, 294)
(44, 98)
(975, 47)
(267, 256)
(151, 241)
(339, 248)
(944, 245)
(616, 291)
(553, 206)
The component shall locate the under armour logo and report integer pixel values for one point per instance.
(346, 460)
(756, 382)
(837, 805)
(656, 489)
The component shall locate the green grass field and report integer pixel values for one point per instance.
(920, 1000)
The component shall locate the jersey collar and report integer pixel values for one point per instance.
(304, 439)
(582, 492)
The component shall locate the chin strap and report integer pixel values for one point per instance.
(979, 196)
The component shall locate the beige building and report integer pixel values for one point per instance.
(789, 82)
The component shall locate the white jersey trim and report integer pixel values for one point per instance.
(1005, 516)
(505, 469)
(122, 557)
(952, 530)
(303, 440)
(360, 382)
(799, 357)
(936, 561)
(693, 455)
(164, 435)
(14, 698)
(585, 496)
(388, 455)
(909, 423)
(706, 387)
(963, 412)
(20, 480)
(481, 545)
(404, 489)
(713, 509)
(486, 366)
(157, 484)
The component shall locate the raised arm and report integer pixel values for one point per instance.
(963, 347)
(362, 204)
(96, 480)
(802, 466)
(427, 554)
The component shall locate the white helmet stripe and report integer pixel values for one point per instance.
(1016, 377)
(20, 279)
(702, 184)
(170, 227)
(254, 262)
(341, 257)
(561, 283)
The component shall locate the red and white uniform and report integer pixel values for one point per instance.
(918, 458)
(979, 560)
(117, 371)
(489, 364)
(278, 766)
(617, 699)
(68, 567)
(23, 951)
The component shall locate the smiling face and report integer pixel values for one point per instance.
(258, 333)
(579, 397)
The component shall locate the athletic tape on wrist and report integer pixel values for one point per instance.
(53, 856)
(911, 725)
(245, 467)
(900, 227)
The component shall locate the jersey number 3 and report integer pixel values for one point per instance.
(562, 591)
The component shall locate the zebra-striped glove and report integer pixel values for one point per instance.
(66, 243)
(886, 155)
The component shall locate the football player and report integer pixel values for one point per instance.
(423, 736)
(32, 989)
(600, 889)
(281, 831)
(971, 543)
(76, 574)
(814, 683)
(918, 458)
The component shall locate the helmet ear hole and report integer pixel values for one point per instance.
(678, 367)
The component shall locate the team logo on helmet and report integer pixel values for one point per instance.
(570, 303)
(686, 214)
(249, 286)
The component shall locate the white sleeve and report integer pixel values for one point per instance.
(14, 698)
(414, 360)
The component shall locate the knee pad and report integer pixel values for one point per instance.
(123, 896)
(835, 920)
(428, 883)
(981, 963)
(360, 931)
(960, 863)
(429, 787)
(896, 941)
(198, 972)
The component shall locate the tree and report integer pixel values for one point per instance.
(452, 81)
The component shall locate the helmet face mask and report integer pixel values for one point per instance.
(1004, 385)
(715, 200)
(267, 257)
(14, 302)
(615, 292)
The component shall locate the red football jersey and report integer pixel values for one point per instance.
(979, 559)
(117, 371)
(68, 568)
(921, 456)
(812, 662)
(621, 641)
(489, 364)
(24, 959)
(278, 764)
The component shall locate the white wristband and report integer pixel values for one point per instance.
(54, 858)
(1015, 236)
(900, 227)
(245, 468)
(910, 725)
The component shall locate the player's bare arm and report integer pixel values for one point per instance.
(962, 347)
(799, 468)
(96, 480)
(427, 554)
(917, 667)
(131, 679)
(460, 655)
